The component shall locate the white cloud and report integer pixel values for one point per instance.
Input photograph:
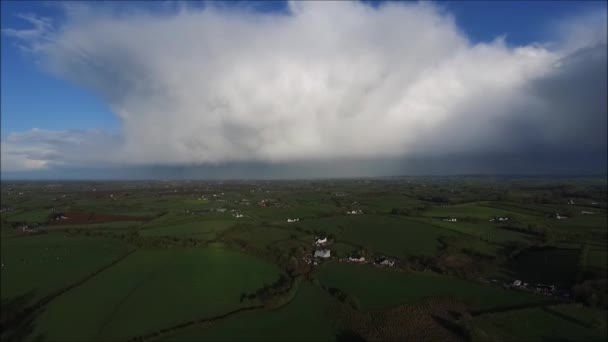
(587, 29)
(42, 149)
(328, 80)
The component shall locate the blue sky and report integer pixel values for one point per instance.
(32, 97)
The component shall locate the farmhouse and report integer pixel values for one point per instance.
(322, 253)
(560, 217)
(355, 212)
(384, 261)
(238, 215)
(450, 219)
(584, 212)
(31, 228)
(356, 259)
(320, 241)
(292, 220)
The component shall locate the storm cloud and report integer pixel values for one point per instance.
(323, 83)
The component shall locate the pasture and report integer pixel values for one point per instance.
(154, 289)
(393, 236)
(545, 265)
(305, 318)
(551, 323)
(377, 288)
(40, 265)
(477, 212)
(168, 260)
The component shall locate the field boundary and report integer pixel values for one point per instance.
(207, 321)
(517, 307)
(109, 318)
(165, 331)
(47, 299)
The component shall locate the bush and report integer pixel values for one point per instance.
(592, 293)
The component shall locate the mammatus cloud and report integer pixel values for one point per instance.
(326, 81)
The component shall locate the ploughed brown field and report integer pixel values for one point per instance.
(81, 217)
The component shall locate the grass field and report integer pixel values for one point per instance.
(393, 236)
(110, 226)
(480, 212)
(194, 227)
(308, 211)
(138, 257)
(472, 244)
(486, 231)
(27, 216)
(592, 225)
(43, 264)
(597, 258)
(304, 319)
(548, 265)
(379, 288)
(259, 237)
(152, 289)
(325, 226)
(554, 323)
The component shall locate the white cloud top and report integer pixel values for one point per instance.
(324, 81)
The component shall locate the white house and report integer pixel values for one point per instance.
(355, 212)
(450, 220)
(517, 283)
(385, 262)
(570, 202)
(320, 241)
(238, 215)
(354, 259)
(502, 219)
(322, 253)
(560, 217)
(292, 220)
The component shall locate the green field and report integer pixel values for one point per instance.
(379, 288)
(394, 236)
(186, 269)
(547, 265)
(42, 264)
(258, 237)
(110, 226)
(152, 289)
(597, 258)
(480, 212)
(485, 231)
(304, 319)
(27, 216)
(194, 227)
(553, 323)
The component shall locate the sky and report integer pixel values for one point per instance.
(169, 89)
